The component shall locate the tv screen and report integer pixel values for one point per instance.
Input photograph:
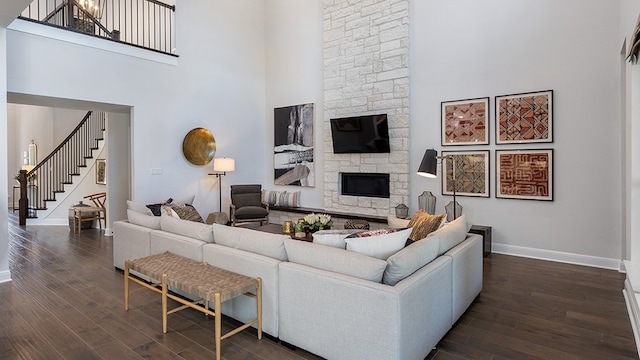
(360, 134)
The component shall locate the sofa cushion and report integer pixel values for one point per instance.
(138, 207)
(142, 219)
(424, 223)
(186, 228)
(251, 212)
(379, 243)
(408, 260)
(395, 222)
(336, 260)
(333, 238)
(451, 234)
(258, 242)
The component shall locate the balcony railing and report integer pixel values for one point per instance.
(149, 24)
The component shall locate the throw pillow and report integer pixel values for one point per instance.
(187, 212)
(395, 222)
(424, 223)
(270, 197)
(380, 243)
(156, 209)
(333, 238)
(289, 199)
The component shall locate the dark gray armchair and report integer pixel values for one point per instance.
(247, 206)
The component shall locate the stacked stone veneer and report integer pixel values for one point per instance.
(366, 71)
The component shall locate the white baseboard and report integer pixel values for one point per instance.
(5, 276)
(631, 299)
(586, 260)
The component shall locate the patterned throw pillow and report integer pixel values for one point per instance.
(270, 197)
(424, 223)
(188, 212)
(289, 199)
(281, 198)
(156, 208)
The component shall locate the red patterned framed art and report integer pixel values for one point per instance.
(472, 173)
(465, 122)
(524, 118)
(524, 174)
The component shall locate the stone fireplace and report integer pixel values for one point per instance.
(366, 71)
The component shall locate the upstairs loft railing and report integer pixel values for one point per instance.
(48, 177)
(148, 24)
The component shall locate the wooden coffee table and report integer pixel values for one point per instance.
(207, 282)
(277, 229)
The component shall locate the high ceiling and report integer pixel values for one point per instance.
(10, 9)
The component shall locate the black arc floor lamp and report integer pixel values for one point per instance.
(429, 167)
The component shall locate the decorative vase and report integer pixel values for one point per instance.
(427, 202)
(287, 227)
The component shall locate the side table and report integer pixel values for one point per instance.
(485, 231)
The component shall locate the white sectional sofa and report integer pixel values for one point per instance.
(335, 303)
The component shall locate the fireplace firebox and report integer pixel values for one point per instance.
(365, 184)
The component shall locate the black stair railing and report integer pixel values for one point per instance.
(149, 24)
(47, 178)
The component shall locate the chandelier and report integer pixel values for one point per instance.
(94, 8)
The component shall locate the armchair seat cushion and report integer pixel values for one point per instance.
(251, 212)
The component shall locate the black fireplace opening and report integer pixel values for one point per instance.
(365, 184)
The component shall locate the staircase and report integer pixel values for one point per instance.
(49, 177)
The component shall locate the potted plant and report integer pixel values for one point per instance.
(314, 222)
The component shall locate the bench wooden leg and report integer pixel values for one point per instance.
(126, 284)
(218, 323)
(164, 303)
(259, 307)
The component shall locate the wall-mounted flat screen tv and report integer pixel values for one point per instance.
(360, 134)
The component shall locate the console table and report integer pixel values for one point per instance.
(207, 282)
(485, 231)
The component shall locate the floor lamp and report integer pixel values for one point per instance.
(428, 168)
(221, 166)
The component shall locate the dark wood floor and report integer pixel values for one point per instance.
(65, 302)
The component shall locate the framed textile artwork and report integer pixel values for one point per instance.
(465, 122)
(524, 174)
(293, 145)
(524, 118)
(472, 173)
(101, 171)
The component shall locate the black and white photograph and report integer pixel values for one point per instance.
(293, 145)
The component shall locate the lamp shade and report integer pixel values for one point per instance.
(224, 164)
(429, 164)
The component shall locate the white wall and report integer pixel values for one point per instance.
(465, 49)
(218, 83)
(293, 33)
(5, 275)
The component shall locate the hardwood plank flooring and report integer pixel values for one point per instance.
(66, 302)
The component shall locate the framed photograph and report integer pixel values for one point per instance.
(465, 122)
(524, 118)
(524, 174)
(293, 145)
(471, 173)
(101, 171)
